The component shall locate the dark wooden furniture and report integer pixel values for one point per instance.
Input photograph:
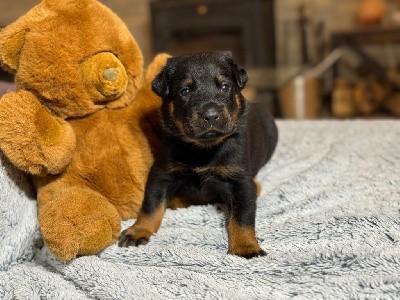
(355, 39)
(244, 27)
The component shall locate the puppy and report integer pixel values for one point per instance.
(215, 143)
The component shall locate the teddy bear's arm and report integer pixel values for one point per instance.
(33, 139)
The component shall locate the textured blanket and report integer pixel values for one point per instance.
(328, 216)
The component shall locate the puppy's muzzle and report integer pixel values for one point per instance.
(211, 121)
(211, 115)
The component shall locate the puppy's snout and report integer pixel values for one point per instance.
(211, 115)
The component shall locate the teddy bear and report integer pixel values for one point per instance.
(82, 122)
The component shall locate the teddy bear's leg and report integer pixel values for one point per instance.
(76, 220)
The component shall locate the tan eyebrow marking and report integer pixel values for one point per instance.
(219, 78)
(189, 81)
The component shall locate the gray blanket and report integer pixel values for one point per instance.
(328, 216)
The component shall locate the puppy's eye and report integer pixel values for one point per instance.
(184, 92)
(225, 87)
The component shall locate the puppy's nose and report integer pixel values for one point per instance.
(211, 115)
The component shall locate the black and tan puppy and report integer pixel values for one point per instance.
(215, 143)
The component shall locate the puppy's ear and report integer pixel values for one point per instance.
(238, 72)
(160, 84)
(240, 75)
(227, 54)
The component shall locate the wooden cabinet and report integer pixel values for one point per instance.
(244, 27)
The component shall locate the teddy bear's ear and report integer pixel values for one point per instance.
(11, 43)
(67, 5)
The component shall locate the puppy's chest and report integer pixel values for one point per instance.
(202, 165)
(200, 173)
(204, 183)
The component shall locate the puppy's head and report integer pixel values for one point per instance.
(202, 100)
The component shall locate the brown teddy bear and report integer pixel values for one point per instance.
(83, 120)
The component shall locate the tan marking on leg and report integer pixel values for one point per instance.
(183, 202)
(145, 226)
(242, 240)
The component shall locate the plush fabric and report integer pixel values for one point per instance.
(328, 216)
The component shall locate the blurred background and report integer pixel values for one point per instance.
(305, 58)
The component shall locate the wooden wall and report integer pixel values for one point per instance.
(335, 14)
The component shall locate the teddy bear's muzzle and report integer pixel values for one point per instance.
(111, 74)
(104, 77)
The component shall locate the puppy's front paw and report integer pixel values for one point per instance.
(134, 236)
(248, 252)
(254, 254)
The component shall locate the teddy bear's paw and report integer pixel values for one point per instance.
(79, 222)
(33, 139)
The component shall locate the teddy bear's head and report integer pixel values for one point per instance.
(76, 56)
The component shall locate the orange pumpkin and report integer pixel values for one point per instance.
(371, 12)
